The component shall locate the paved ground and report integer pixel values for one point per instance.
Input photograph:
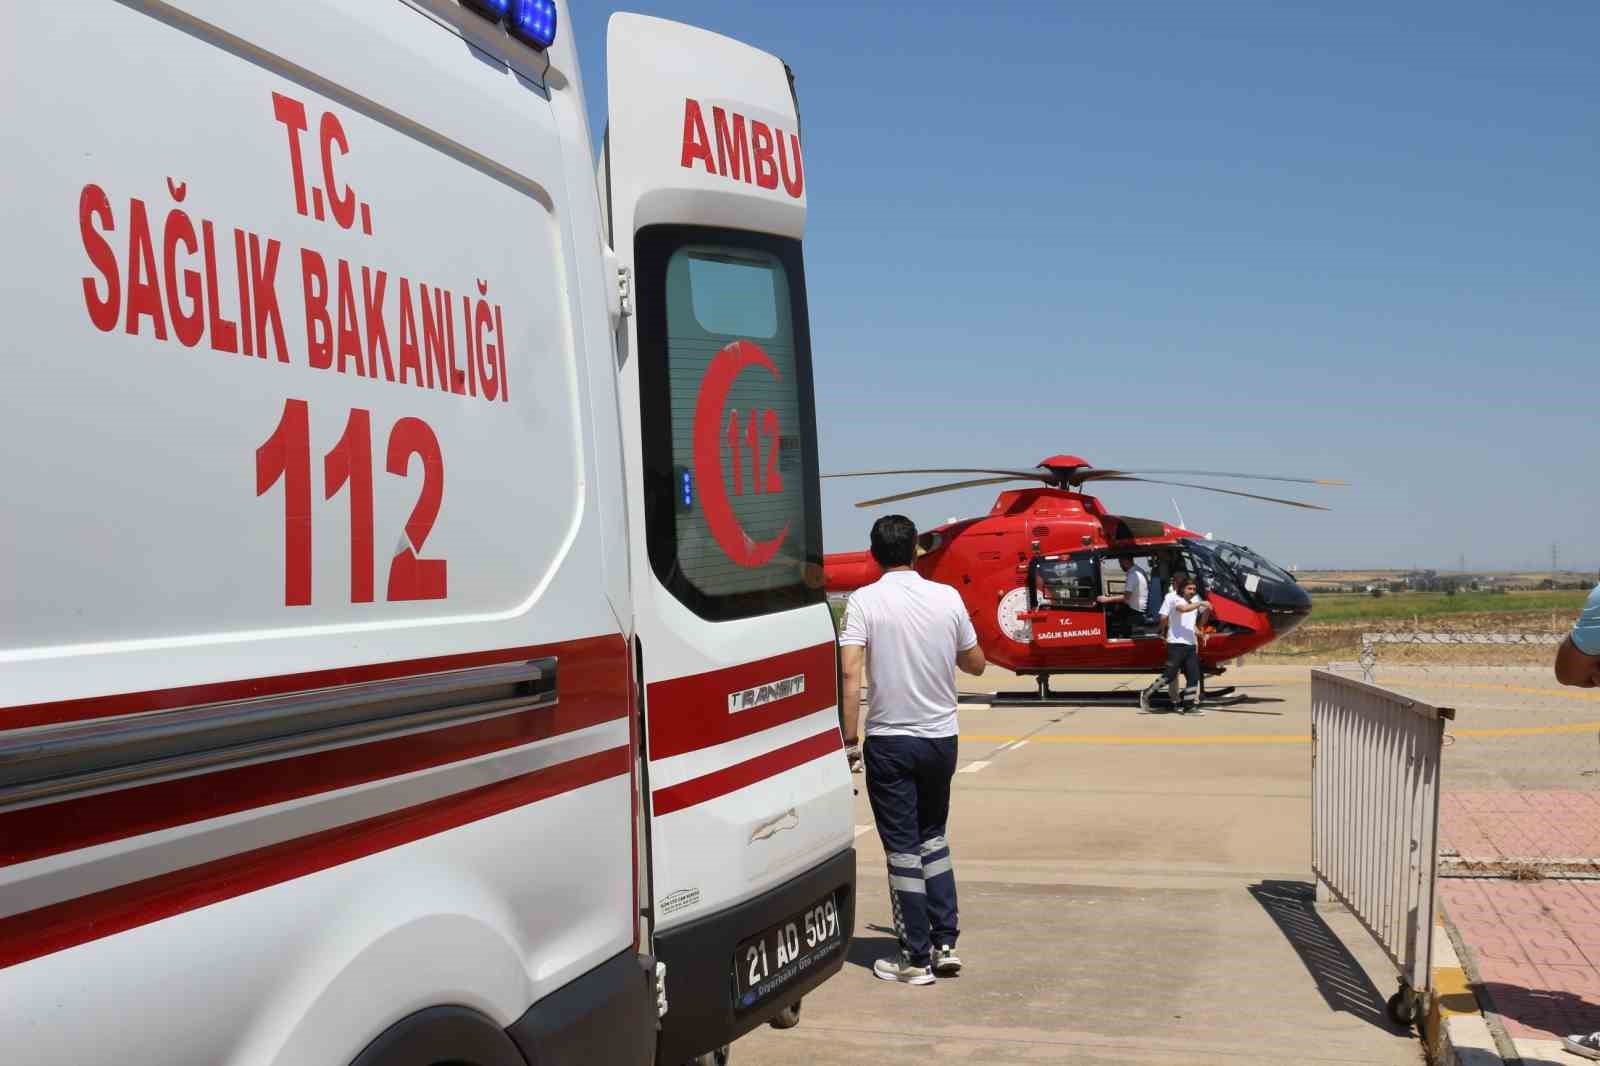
(1134, 889)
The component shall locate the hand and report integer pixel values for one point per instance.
(853, 757)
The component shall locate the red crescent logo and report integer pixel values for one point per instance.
(713, 398)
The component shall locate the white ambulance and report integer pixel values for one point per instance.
(412, 647)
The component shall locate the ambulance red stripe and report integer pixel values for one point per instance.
(77, 921)
(79, 822)
(604, 654)
(743, 774)
(690, 713)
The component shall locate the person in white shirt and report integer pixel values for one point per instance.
(1127, 610)
(911, 634)
(1180, 617)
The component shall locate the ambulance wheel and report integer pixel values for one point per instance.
(719, 1057)
(788, 1017)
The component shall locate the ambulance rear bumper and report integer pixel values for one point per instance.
(699, 957)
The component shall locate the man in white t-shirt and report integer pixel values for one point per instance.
(911, 634)
(1126, 612)
(1180, 617)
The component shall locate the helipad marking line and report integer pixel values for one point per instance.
(973, 767)
(863, 829)
(1529, 730)
(1182, 741)
(1510, 731)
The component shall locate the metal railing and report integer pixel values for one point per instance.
(1375, 758)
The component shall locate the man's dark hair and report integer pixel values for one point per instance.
(894, 541)
(1181, 579)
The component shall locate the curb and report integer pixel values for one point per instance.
(1455, 1032)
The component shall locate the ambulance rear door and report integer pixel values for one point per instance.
(751, 816)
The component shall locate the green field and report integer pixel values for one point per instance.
(1353, 607)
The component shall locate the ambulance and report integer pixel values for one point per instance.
(413, 647)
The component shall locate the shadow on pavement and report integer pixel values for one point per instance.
(1236, 709)
(1339, 977)
(1556, 1011)
(866, 950)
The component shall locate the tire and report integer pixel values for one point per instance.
(788, 1017)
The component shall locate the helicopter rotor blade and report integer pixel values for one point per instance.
(1096, 474)
(930, 490)
(1213, 488)
(1035, 475)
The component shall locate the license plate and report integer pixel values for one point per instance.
(765, 965)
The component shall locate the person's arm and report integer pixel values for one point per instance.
(852, 659)
(969, 657)
(1165, 620)
(852, 664)
(1578, 658)
(1575, 668)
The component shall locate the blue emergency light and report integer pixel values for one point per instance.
(495, 9)
(686, 488)
(533, 22)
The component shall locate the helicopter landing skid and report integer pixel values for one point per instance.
(1045, 696)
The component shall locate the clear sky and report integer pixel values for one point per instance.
(1360, 243)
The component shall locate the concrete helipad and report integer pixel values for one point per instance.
(1134, 889)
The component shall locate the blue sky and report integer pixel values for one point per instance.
(1358, 243)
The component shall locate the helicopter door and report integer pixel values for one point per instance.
(1062, 591)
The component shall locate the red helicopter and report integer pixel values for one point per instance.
(1032, 572)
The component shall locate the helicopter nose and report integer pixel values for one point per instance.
(1286, 603)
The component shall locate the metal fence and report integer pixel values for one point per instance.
(1370, 642)
(1375, 758)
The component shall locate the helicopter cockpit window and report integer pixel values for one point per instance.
(1247, 562)
(1210, 572)
(1070, 582)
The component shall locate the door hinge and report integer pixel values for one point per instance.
(625, 290)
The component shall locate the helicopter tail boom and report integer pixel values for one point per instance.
(848, 571)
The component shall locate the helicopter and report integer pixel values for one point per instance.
(1031, 573)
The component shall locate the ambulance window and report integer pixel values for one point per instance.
(733, 296)
(732, 514)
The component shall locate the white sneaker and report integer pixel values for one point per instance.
(899, 968)
(946, 963)
(1585, 1044)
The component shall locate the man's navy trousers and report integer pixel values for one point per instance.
(908, 783)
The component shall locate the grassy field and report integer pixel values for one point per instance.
(1337, 621)
(1352, 607)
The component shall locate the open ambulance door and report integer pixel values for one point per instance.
(750, 812)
